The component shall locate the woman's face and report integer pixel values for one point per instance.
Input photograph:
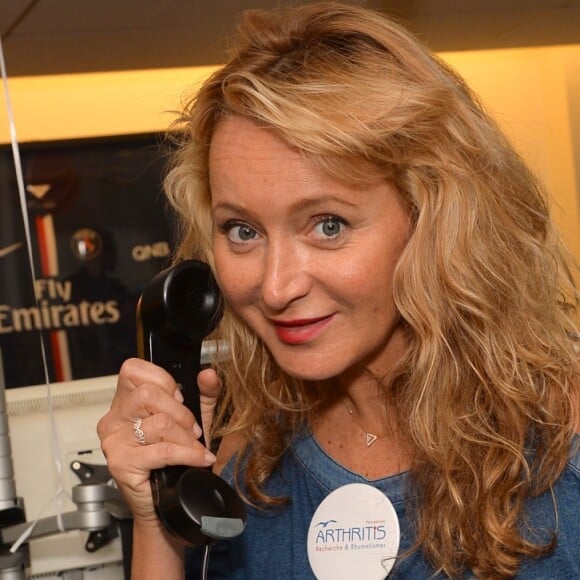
(305, 260)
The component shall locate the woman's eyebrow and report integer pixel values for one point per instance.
(312, 202)
(300, 204)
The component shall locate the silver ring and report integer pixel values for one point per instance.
(139, 432)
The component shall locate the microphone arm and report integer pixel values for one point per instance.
(97, 503)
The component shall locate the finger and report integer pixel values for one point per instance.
(209, 384)
(160, 455)
(168, 453)
(129, 459)
(144, 388)
(149, 399)
(209, 387)
(134, 372)
(145, 401)
(161, 428)
(162, 443)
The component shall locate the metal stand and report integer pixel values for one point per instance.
(12, 566)
(97, 504)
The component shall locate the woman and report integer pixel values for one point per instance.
(398, 311)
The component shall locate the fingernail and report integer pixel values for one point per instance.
(197, 431)
(178, 396)
(209, 458)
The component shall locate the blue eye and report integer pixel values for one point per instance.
(330, 227)
(240, 233)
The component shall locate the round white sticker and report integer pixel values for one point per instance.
(354, 533)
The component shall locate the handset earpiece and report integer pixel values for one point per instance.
(177, 309)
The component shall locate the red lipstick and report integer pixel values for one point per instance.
(300, 331)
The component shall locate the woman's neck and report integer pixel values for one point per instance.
(359, 427)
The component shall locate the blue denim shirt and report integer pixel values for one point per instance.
(273, 544)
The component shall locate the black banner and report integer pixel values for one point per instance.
(99, 230)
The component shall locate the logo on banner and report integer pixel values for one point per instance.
(55, 310)
(144, 252)
(86, 244)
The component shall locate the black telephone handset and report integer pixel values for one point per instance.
(177, 309)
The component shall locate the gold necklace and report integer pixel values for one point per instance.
(370, 438)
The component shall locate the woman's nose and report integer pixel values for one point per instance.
(286, 276)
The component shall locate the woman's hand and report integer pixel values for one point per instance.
(148, 393)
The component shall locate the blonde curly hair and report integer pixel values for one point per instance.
(483, 287)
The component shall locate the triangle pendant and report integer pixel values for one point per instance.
(371, 439)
